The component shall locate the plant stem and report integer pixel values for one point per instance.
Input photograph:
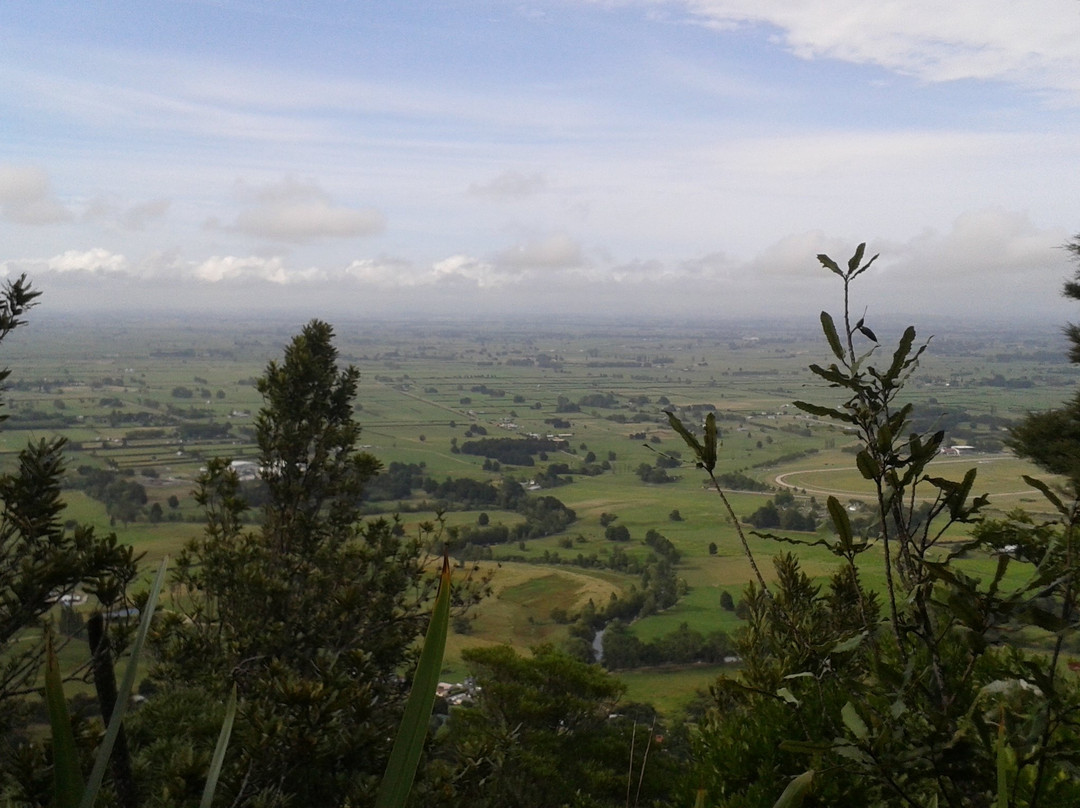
(742, 536)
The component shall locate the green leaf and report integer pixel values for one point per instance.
(123, 696)
(850, 644)
(903, 349)
(1002, 769)
(219, 752)
(825, 412)
(866, 332)
(67, 779)
(854, 273)
(853, 721)
(689, 439)
(788, 696)
(708, 458)
(830, 264)
(796, 790)
(1051, 497)
(841, 522)
(834, 376)
(1003, 560)
(401, 768)
(856, 259)
(829, 327)
(868, 467)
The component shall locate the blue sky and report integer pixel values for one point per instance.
(468, 158)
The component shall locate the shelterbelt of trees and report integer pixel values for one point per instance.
(935, 688)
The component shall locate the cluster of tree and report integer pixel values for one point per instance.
(31, 418)
(782, 511)
(622, 649)
(396, 481)
(468, 538)
(124, 497)
(465, 493)
(617, 533)
(544, 516)
(557, 474)
(510, 451)
(789, 457)
(662, 546)
(548, 729)
(564, 404)
(488, 391)
(633, 418)
(737, 481)
(997, 380)
(655, 474)
(600, 400)
(960, 424)
(215, 430)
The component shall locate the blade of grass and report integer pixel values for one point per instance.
(219, 752)
(122, 697)
(795, 791)
(401, 768)
(67, 779)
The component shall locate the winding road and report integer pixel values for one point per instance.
(783, 480)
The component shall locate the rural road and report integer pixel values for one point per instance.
(784, 480)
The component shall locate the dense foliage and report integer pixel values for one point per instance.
(312, 615)
(916, 697)
(42, 560)
(548, 730)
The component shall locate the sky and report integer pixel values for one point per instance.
(611, 159)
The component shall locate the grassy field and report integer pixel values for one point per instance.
(134, 397)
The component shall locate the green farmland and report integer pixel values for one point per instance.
(150, 403)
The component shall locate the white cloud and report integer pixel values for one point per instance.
(217, 269)
(1031, 44)
(996, 257)
(385, 272)
(454, 270)
(992, 261)
(464, 268)
(300, 211)
(26, 196)
(96, 261)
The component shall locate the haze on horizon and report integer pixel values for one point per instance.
(639, 157)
